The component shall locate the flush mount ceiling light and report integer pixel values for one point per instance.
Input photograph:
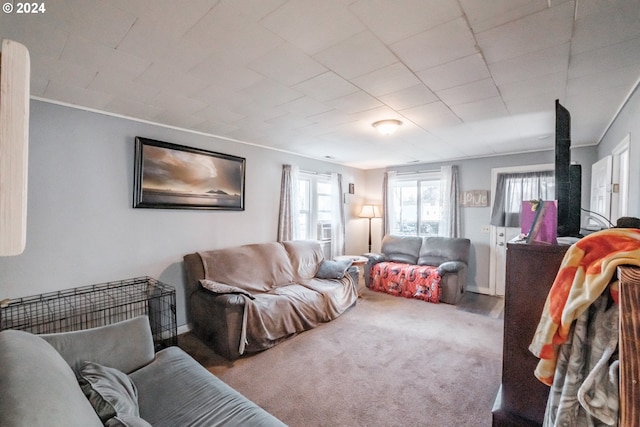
(387, 127)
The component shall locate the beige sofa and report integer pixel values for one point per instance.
(249, 298)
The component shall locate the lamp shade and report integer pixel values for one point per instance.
(369, 211)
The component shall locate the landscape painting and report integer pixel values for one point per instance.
(175, 176)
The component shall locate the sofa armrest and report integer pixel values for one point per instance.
(37, 386)
(453, 282)
(126, 345)
(451, 267)
(217, 320)
(229, 300)
(372, 259)
(354, 272)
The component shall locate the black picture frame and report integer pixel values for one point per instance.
(172, 176)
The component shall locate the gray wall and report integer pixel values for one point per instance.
(82, 229)
(475, 174)
(627, 122)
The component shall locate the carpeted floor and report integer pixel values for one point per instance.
(387, 361)
(485, 305)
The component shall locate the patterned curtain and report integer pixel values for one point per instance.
(287, 224)
(450, 191)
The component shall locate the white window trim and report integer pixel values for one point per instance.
(313, 178)
(431, 175)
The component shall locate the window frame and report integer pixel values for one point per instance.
(312, 209)
(419, 178)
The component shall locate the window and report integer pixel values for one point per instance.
(315, 202)
(415, 204)
(513, 188)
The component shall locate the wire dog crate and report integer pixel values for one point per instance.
(96, 305)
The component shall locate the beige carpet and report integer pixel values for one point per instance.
(388, 361)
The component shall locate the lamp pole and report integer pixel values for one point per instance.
(369, 212)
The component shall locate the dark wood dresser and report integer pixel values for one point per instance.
(531, 270)
(629, 346)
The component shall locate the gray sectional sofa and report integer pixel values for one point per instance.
(248, 298)
(449, 255)
(46, 381)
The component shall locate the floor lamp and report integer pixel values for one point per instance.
(369, 211)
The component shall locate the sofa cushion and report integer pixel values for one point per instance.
(110, 392)
(404, 249)
(255, 268)
(330, 269)
(306, 256)
(37, 386)
(221, 288)
(175, 390)
(436, 250)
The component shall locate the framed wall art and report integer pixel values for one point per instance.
(178, 177)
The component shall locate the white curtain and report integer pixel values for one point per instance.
(513, 188)
(288, 228)
(450, 197)
(337, 216)
(386, 227)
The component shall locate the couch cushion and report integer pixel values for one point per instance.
(110, 392)
(401, 248)
(37, 386)
(256, 268)
(107, 345)
(175, 390)
(306, 256)
(436, 250)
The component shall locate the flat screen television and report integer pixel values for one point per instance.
(568, 177)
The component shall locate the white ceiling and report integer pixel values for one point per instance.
(466, 77)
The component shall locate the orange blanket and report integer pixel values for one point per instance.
(587, 268)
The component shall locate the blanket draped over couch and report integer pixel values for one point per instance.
(431, 268)
(265, 293)
(406, 280)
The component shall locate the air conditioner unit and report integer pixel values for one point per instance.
(324, 231)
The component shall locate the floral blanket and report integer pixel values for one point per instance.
(576, 338)
(586, 270)
(406, 280)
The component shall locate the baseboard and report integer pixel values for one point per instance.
(184, 329)
(481, 290)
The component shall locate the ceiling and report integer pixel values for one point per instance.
(467, 78)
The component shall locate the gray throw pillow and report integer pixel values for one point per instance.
(110, 392)
(221, 288)
(330, 269)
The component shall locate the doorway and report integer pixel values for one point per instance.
(500, 236)
(609, 188)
